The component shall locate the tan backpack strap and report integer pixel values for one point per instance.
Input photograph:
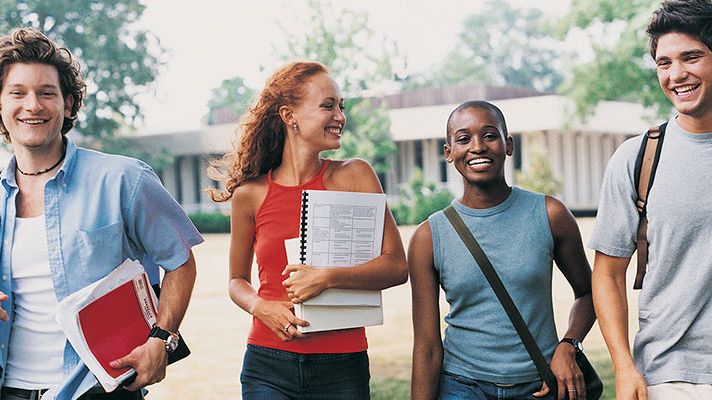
(646, 168)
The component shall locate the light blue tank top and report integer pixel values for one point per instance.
(480, 341)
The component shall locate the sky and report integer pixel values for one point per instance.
(221, 39)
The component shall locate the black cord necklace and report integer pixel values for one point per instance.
(44, 171)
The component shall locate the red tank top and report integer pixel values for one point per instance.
(277, 219)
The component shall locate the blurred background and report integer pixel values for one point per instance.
(168, 81)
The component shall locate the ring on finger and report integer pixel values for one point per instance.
(571, 390)
(286, 328)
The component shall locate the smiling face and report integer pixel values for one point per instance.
(477, 146)
(32, 105)
(684, 68)
(319, 116)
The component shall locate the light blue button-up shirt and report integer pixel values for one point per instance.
(99, 210)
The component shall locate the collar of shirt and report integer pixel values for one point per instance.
(63, 176)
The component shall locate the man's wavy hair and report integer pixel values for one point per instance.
(262, 130)
(692, 17)
(28, 46)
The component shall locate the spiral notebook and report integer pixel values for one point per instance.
(340, 229)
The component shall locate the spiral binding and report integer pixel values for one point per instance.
(303, 228)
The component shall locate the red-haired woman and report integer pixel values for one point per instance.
(298, 115)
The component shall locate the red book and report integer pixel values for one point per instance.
(118, 321)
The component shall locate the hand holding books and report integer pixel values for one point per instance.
(338, 229)
(108, 324)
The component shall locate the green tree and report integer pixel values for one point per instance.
(621, 67)
(232, 94)
(367, 135)
(502, 45)
(118, 59)
(158, 159)
(539, 177)
(342, 40)
(419, 199)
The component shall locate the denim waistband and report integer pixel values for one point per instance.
(316, 357)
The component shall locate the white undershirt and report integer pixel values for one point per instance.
(35, 357)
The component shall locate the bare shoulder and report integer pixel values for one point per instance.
(561, 220)
(420, 251)
(352, 175)
(352, 167)
(555, 208)
(422, 236)
(249, 196)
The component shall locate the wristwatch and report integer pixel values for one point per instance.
(169, 338)
(574, 342)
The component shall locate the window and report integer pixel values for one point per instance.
(418, 150)
(179, 182)
(517, 151)
(382, 179)
(196, 179)
(443, 163)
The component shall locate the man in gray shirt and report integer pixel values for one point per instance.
(673, 347)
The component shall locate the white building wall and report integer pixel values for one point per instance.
(577, 150)
(431, 160)
(554, 154)
(168, 178)
(597, 165)
(570, 195)
(187, 183)
(583, 172)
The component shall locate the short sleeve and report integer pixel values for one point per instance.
(617, 217)
(156, 223)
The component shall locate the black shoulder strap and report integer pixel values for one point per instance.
(646, 165)
(519, 325)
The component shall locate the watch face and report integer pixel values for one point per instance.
(171, 343)
(574, 342)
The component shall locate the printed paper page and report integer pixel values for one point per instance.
(344, 228)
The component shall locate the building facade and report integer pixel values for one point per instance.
(576, 150)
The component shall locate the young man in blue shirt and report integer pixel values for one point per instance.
(68, 217)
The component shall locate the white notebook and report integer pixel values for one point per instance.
(339, 229)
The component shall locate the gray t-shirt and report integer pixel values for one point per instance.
(674, 342)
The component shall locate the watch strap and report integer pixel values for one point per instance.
(160, 333)
(574, 342)
(170, 339)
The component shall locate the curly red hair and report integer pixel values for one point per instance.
(263, 131)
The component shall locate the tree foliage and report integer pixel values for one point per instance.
(621, 68)
(367, 135)
(502, 45)
(342, 40)
(118, 59)
(158, 159)
(539, 177)
(232, 94)
(419, 199)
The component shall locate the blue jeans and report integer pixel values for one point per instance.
(283, 375)
(456, 387)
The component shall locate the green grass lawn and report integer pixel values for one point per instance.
(397, 389)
